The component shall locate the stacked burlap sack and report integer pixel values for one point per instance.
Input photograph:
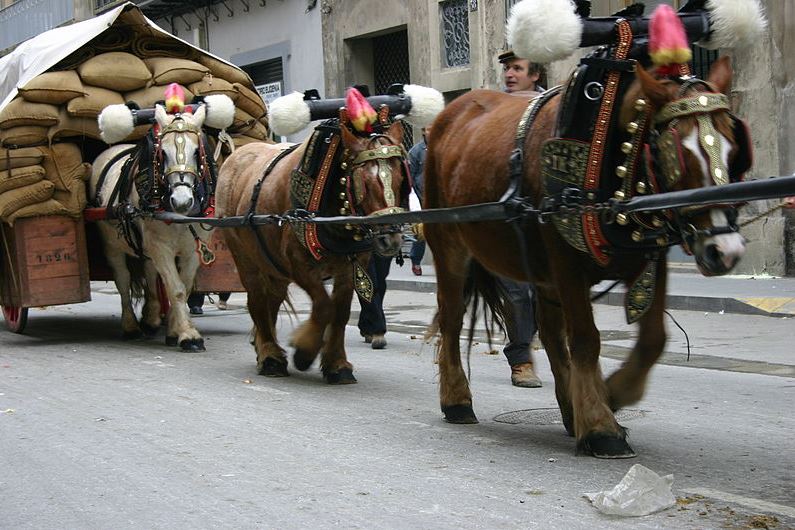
(54, 113)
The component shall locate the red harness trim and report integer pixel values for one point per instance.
(312, 240)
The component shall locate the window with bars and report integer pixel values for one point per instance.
(390, 66)
(454, 18)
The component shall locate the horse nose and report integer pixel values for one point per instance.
(387, 244)
(719, 261)
(181, 205)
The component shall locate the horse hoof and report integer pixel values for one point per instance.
(602, 445)
(302, 360)
(149, 331)
(459, 414)
(192, 345)
(270, 367)
(343, 376)
(131, 335)
(171, 341)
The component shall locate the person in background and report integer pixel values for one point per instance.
(196, 301)
(372, 322)
(521, 79)
(416, 165)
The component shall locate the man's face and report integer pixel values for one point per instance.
(515, 75)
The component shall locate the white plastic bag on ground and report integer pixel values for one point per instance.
(640, 492)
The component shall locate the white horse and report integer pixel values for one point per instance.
(169, 170)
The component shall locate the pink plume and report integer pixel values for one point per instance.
(175, 98)
(668, 46)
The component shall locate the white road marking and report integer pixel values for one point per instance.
(757, 504)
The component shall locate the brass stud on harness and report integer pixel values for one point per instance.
(640, 104)
(343, 181)
(344, 165)
(657, 222)
(357, 237)
(662, 241)
(343, 211)
(346, 204)
(621, 171)
(348, 227)
(637, 236)
(342, 195)
(626, 148)
(709, 140)
(619, 195)
(632, 127)
(641, 187)
(622, 219)
(703, 101)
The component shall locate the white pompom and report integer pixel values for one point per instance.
(220, 111)
(115, 123)
(734, 23)
(544, 30)
(288, 114)
(426, 104)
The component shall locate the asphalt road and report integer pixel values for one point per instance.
(100, 433)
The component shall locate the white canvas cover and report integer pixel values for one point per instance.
(37, 55)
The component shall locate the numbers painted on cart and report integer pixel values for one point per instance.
(53, 257)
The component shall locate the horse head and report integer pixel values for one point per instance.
(695, 141)
(180, 161)
(376, 178)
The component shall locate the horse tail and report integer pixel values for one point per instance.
(137, 278)
(481, 289)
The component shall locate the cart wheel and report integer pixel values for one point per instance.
(16, 318)
(162, 296)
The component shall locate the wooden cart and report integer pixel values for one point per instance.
(50, 261)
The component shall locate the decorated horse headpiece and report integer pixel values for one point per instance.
(157, 177)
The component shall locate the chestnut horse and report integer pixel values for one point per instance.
(467, 163)
(365, 178)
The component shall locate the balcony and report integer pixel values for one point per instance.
(27, 18)
(157, 9)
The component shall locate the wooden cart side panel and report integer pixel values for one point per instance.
(221, 275)
(44, 262)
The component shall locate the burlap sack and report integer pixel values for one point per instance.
(225, 71)
(118, 71)
(63, 164)
(247, 125)
(167, 70)
(26, 156)
(55, 88)
(71, 126)
(48, 207)
(20, 112)
(23, 176)
(213, 85)
(13, 200)
(249, 101)
(94, 102)
(24, 135)
(147, 97)
(74, 199)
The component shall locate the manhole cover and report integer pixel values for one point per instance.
(552, 416)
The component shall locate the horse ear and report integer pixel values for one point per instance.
(161, 116)
(720, 75)
(653, 89)
(200, 114)
(350, 140)
(395, 132)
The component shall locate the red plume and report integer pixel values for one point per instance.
(668, 46)
(360, 112)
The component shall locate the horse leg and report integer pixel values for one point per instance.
(180, 329)
(595, 426)
(627, 384)
(550, 330)
(451, 263)
(121, 277)
(334, 362)
(263, 306)
(308, 338)
(150, 315)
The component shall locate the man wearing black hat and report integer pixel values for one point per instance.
(521, 78)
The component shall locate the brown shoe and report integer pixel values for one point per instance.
(524, 376)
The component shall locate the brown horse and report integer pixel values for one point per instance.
(468, 163)
(367, 176)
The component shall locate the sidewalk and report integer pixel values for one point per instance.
(691, 291)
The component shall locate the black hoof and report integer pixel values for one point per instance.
(149, 331)
(459, 414)
(131, 335)
(171, 341)
(270, 367)
(343, 376)
(602, 445)
(192, 345)
(302, 360)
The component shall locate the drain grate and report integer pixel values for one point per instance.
(553, 417)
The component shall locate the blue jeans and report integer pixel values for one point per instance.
(520, 321)
(417, 252)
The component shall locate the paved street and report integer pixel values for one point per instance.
(99, 433)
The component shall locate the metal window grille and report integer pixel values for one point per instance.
(454, 16)
(390, 66)
(702, 61)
